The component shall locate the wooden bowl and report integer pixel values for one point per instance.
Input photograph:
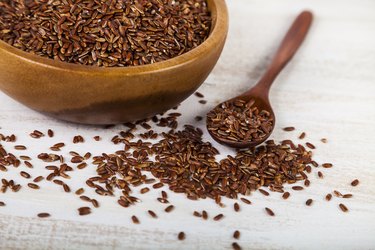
(97, 95)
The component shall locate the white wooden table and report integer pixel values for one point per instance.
(328, 90)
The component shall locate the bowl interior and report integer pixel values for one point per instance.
(215, 7)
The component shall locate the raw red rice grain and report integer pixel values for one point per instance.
(84, 211)
(33, 185)
(162, 200)
(36, 134)
(78, 139)
(235, 246)
(297, 188)
(20, 147)
(50, 132)
(236, 207)
(144, 190)
(157, 185)
(269, 211)
(236, 234)
(286, 195)
(337, 193)
(58, 182)
(197, 214)
(82, 165)
(28, 164)
(198, 94)
(327, 165)
(354, 183)
(135, 219)
(66, 188)
(204, 215)
(302, 136)
(181, 236)
(164, 195)
(289, 129)
(123, 203)
(95, 203)
(85, 198)
(264, 192)
(346, 196)
(309, 202)
(169, 208)
(307, 183)
(328, 197)
(246, 201)
(218, 217)
(343, 208)
(38, 179)
(43, 215)
(25, 175)
(152, 214)
(310, 145)
(79, 191)
(320, 175)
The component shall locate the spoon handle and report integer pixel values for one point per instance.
(292, 41)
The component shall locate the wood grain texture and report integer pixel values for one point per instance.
(327, 90)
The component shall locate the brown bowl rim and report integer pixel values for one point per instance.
(219, 23)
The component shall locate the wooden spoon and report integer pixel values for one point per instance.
(260, 92)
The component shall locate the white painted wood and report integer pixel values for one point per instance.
(328, 90)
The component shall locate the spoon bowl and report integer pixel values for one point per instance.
(261, 104)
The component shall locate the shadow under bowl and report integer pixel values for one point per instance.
(98, 95)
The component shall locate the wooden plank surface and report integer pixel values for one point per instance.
(328, 90)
